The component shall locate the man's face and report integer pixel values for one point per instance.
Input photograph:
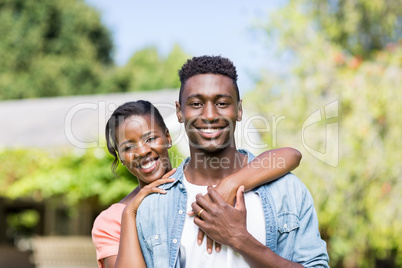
(209, 110)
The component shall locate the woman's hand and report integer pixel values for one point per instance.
(130, 254)
(227, 189)
(133, 205)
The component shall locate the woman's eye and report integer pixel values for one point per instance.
(150, 139)
(128, 148)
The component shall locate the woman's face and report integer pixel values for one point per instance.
(143, 148)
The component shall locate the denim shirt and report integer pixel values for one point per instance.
(290, 221)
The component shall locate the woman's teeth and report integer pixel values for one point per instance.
(148, 165)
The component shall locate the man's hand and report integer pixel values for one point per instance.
(219, 220)
(227, 190)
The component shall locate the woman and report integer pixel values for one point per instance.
(137, 136)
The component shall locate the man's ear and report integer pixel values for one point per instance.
(179, 114)
(239, 111)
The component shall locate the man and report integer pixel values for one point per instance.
(281, 226)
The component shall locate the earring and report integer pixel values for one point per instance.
(122, 163)
(169, 146)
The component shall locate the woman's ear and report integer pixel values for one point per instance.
(168, 138)
(121, 158)
(179, 113)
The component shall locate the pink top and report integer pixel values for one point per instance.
(106, 232)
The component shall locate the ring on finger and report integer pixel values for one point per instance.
(199, 213)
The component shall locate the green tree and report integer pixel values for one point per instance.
(51, 48)
(357, 200)
(360, 26)
(73, 176)
(148, 70)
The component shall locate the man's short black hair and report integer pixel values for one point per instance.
(208, 65)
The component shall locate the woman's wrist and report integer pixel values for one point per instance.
(129, 212)
(227, 189)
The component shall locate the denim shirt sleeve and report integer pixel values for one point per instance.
(145, 253)
(310, 250)
(154, 218)
(298, 237)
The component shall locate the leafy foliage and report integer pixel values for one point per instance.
(22, 223)
(58, 48)
(73, 176)
(147, 70)
(361, 26)
(358, 200)
(51, 48)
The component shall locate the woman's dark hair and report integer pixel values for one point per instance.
(124, 111)
(208, 65)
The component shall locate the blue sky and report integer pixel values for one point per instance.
(205, 27)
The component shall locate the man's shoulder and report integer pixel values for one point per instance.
(289, 179)
(160, 202)
(247, 153)
(152, 200)
(288, 185)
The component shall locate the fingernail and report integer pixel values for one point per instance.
(218, 249)
(199, 242)
(209, 251)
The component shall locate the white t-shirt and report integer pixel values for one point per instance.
(197, 255)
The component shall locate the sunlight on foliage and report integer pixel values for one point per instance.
(357, 200)
(74, 177)
(23, 222)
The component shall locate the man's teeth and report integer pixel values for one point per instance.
(209, 130)
(148, 165)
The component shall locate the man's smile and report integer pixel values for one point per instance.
(210, 132)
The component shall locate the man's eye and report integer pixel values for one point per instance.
(196, 104)
(222, 104)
